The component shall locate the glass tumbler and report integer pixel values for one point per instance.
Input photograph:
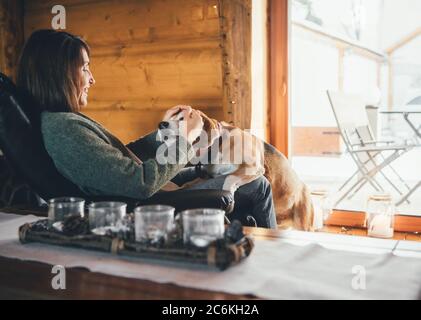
(60, 208)
(104, 216)
(202, 226)
(322, 208)
(380, 216)
(153, 223)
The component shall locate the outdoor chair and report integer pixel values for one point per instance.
(371, 156)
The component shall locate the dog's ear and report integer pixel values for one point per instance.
(208, 123)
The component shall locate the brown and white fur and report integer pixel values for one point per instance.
(291, 196)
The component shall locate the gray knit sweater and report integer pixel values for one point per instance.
(92, 158)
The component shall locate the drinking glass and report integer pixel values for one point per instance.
(104, 216)
(380, 216)
(153, 223)
(202, 226)
(322, 208)
(61, 208)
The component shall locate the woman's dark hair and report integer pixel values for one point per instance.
(49, 70)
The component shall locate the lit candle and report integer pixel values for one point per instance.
(380, 227)
(318, 217)
(380, 216)
(320, 206)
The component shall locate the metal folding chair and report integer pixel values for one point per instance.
(370, 156)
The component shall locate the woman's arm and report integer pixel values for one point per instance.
(98, 168)
(145, 147)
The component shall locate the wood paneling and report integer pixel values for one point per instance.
(236, 55)
(146, 57)
(126, 123)
(11, 35)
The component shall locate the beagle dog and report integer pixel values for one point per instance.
(223, 149)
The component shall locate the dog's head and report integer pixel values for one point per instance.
(170, 128)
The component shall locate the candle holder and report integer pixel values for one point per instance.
(380, 216)
(202, 226)
(322, 208)
(61, 208)
(105, 216)
(153, 223)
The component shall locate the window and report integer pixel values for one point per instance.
(369, 48)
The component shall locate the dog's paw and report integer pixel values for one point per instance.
(230, 184)
(171, 186)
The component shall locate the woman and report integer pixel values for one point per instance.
(54, 71)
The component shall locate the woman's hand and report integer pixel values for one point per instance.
(192, 118)
(174, 110)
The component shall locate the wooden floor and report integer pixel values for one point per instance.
(363, 233)
(352, 223)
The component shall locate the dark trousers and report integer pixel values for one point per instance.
(253, 199)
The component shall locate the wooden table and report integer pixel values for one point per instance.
(32, 280)
(406, 115)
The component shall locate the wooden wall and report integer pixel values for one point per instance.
(147, 55)
(11, 35)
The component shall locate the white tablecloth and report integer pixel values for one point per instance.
(298, 266)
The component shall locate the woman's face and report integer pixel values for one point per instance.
(87, 80)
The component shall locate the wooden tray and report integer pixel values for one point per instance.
(222, 254)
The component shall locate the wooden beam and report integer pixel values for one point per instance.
(401, 43)
(11, 35)
(278, 87)
(338, 40)
(404, 41)
(235, 21)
